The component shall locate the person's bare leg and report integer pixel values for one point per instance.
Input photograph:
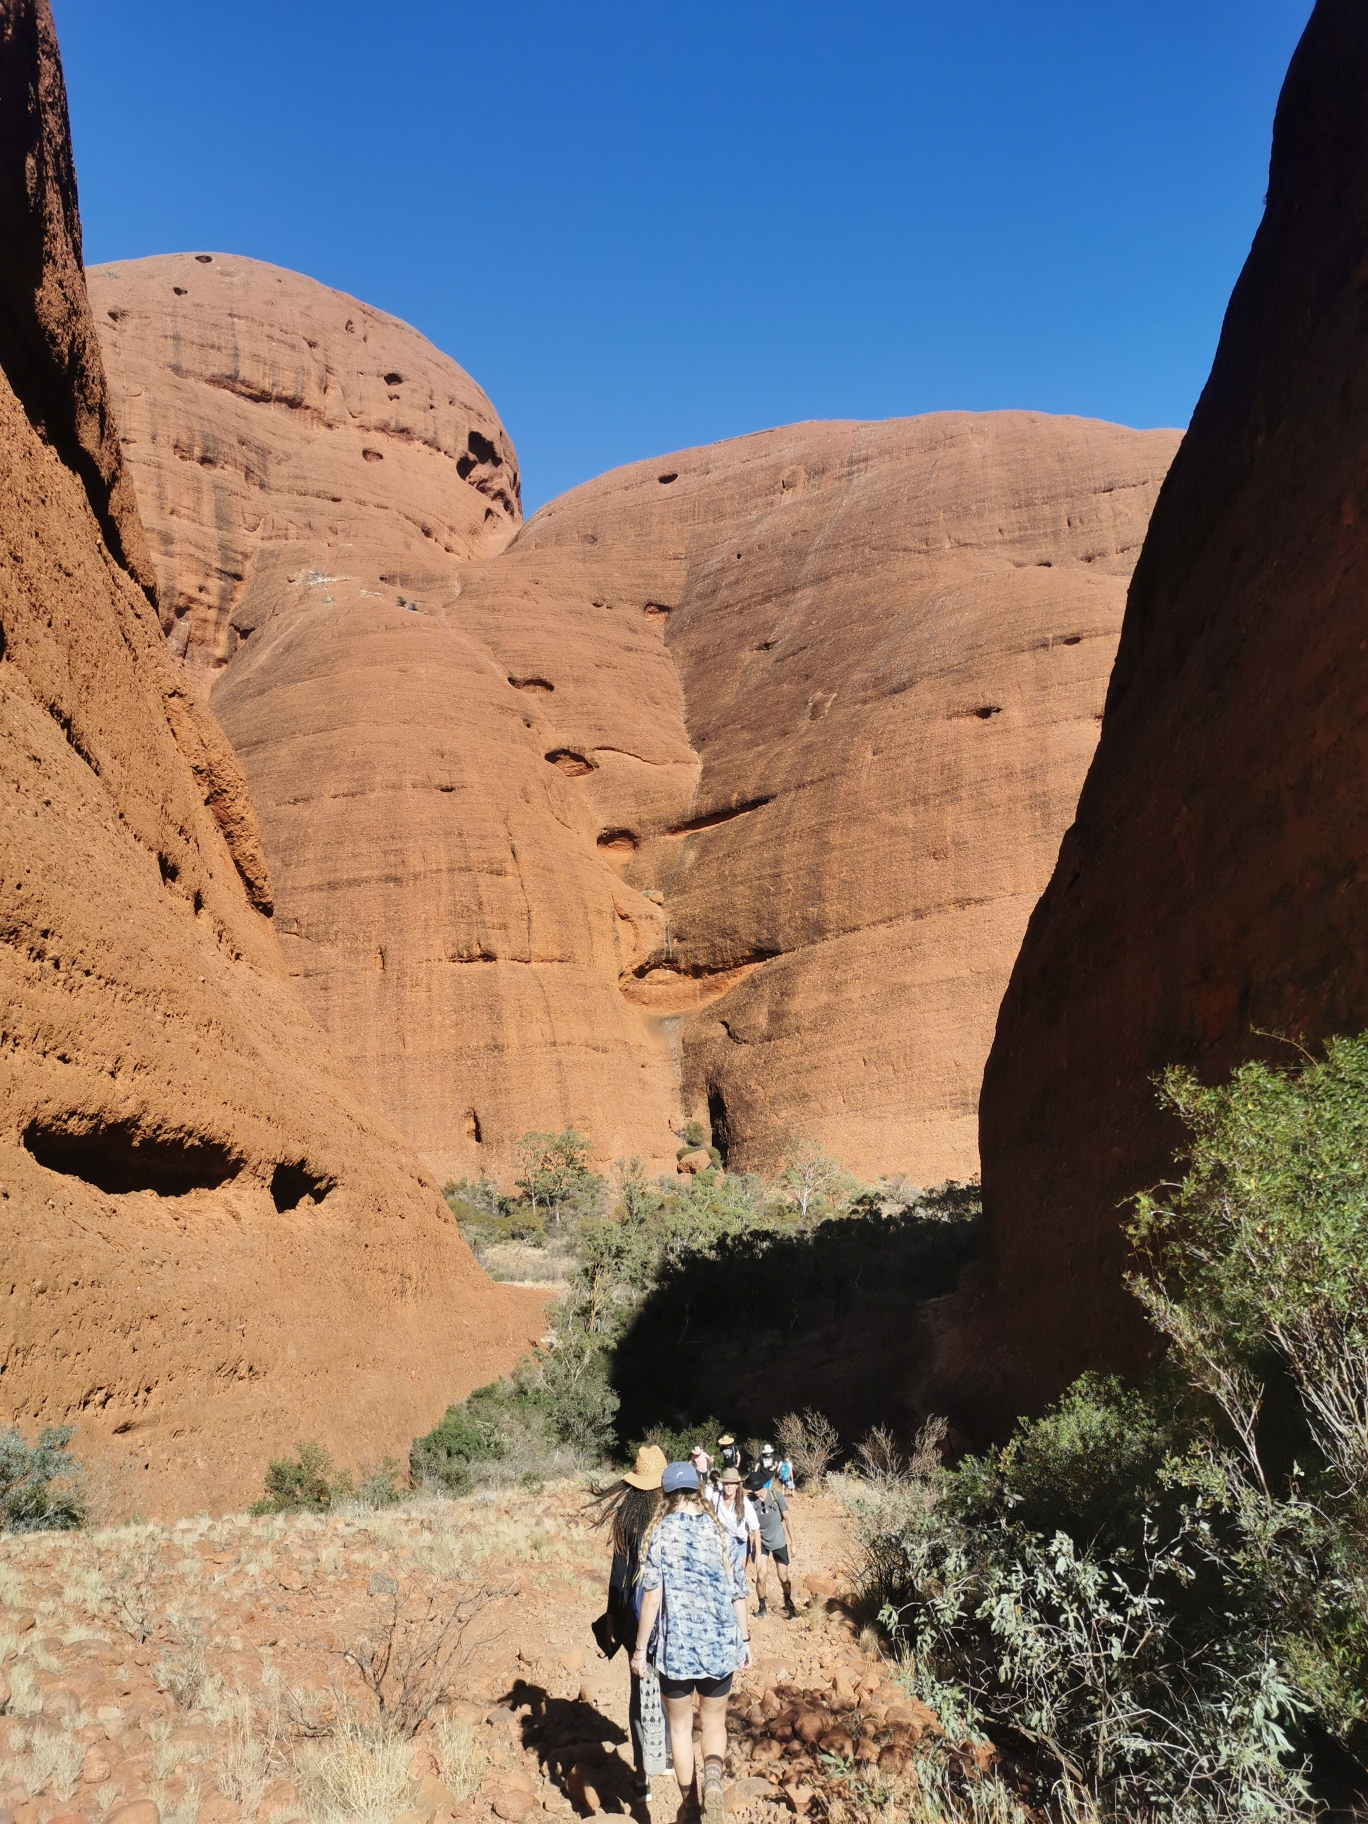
(679, 1716)
(761, 1580)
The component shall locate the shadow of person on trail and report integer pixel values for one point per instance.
(568, 1736)
(773, 1322)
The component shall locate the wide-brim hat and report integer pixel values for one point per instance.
(649, 1468)
(726, 1438)
(731, 1478)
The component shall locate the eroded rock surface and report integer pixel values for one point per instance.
(725, 789)
(1214, 885)
(286, 437)
(213, 1247)
(887, 649)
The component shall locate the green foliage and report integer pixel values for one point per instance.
(309, 1482)
(1167, 1587)
(677, 1441)
(306, 1482)
(554, 1172)
(1085, 1466)
(36, 1491)
(465, 1434)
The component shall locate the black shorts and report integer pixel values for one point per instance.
(705, 1687)
(779, 1554)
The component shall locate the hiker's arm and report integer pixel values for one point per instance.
(650, 1608)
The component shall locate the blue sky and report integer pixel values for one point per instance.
(642, 227)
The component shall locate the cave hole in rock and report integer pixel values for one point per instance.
(618, 842)
(988, 709)
(290, 1184)
(116, 315)
(372, 456)
(479, 450)
(204, 259)
(537, 684)
(665, 480)
(167, 869)
(1071, 639)
(394, 379)
(573, 765)
(656, 611)
(179, 290)
(717, 1120)
(472, 1127)
(118, 1157)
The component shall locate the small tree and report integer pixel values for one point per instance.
(554, 1170)
(813, 1181)
(810, 1442)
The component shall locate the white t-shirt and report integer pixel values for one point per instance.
(738, 1527)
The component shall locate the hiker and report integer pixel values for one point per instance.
(776, 1538)
(730, 1453)
(740, 1522)
(780, 1471)
(702, 1462)
(630, 1507)
(693, 1629)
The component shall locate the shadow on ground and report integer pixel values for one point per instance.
(573, 1741)
(775, 1323)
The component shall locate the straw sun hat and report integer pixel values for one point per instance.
(649, 1468)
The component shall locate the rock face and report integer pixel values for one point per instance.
(725, 789)
(1215, 884)
(213, 1246)
(872, 659)
(52, 355)
(285, 437)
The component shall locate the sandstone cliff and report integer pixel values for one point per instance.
(284, 437)
(1214, 884)
(213, 1247)
(726, 788)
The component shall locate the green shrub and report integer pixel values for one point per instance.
(1166, 1587)
(306, 1482)
(36, 1492)
(465, 1434)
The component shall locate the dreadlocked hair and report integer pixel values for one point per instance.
(628, 1511)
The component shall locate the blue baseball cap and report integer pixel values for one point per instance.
(677, 1476)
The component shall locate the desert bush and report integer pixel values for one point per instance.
(465, 1434)
(421, 1636)
(309, 1482)
(1166, 1586)
(131, 1582)
(299, 1484)
(38, 1491)
(810, 1442)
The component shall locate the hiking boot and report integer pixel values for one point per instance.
(763, 1609)
(688, 1812)
(789, 1609)
(714, 1800)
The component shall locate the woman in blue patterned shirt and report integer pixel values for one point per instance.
(693, 1627)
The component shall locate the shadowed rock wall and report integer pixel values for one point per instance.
(1215, 881)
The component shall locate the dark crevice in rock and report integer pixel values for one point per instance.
(118, 1156)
